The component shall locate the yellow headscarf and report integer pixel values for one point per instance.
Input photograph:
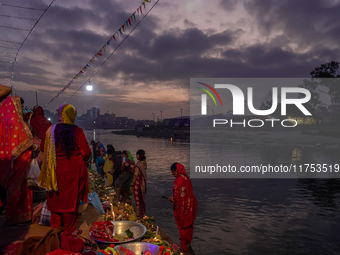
(48, 177)
(66, 114)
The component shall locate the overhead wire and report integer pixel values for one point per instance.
(16, 28)
(10, 41)
(29, 31)
(8, 16)
(113, 51)
(22, 7)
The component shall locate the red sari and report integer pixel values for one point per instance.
(38, 125)
(72, 177)
(184, 207)
(37, 122)
(139, 188)
(15, 157)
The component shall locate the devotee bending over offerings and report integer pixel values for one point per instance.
(64, 171)
(184, 205)
(138, 184)
(16, 152)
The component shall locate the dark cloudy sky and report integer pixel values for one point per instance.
(177, 41)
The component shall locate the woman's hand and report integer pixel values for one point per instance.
(126, 164)
(35, 151)
(171, 199)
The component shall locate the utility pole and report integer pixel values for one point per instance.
(153, 117)
(181, 112)
(161, 116)
(36, 98)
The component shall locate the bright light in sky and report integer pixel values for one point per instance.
(89, 87)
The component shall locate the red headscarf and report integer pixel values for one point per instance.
(185, 203)
(38, 122)
(15, 136)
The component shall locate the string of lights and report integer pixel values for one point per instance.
(103, 63)
(16, 28)
(8, 16)
(23, 7)
(15, 58)
(6, 47)
(9, 41)
(7, 55)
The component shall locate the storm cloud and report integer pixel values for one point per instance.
(175, 42)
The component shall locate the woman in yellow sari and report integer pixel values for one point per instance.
(108, 167)
(64, 170)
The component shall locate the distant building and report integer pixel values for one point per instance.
(93, 113)
(145, 123)
(121, 122)
(108, 118)
(183, 121)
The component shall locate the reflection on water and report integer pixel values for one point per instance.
(245, 216)
(296, 155)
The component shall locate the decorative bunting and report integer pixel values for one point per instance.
(125, 25)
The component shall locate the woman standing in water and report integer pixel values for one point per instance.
(64, 171)
(184, 205)
(138, 184)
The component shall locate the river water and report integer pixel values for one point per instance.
(242, 216)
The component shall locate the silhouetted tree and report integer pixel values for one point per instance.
(321, 82)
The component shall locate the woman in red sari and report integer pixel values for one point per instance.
(64, 171)
(38, 125)
(4, 92)
(37, 122)
(138, 184)
(16, 147)
(184, 205)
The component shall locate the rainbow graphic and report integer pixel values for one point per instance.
(204, 97)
